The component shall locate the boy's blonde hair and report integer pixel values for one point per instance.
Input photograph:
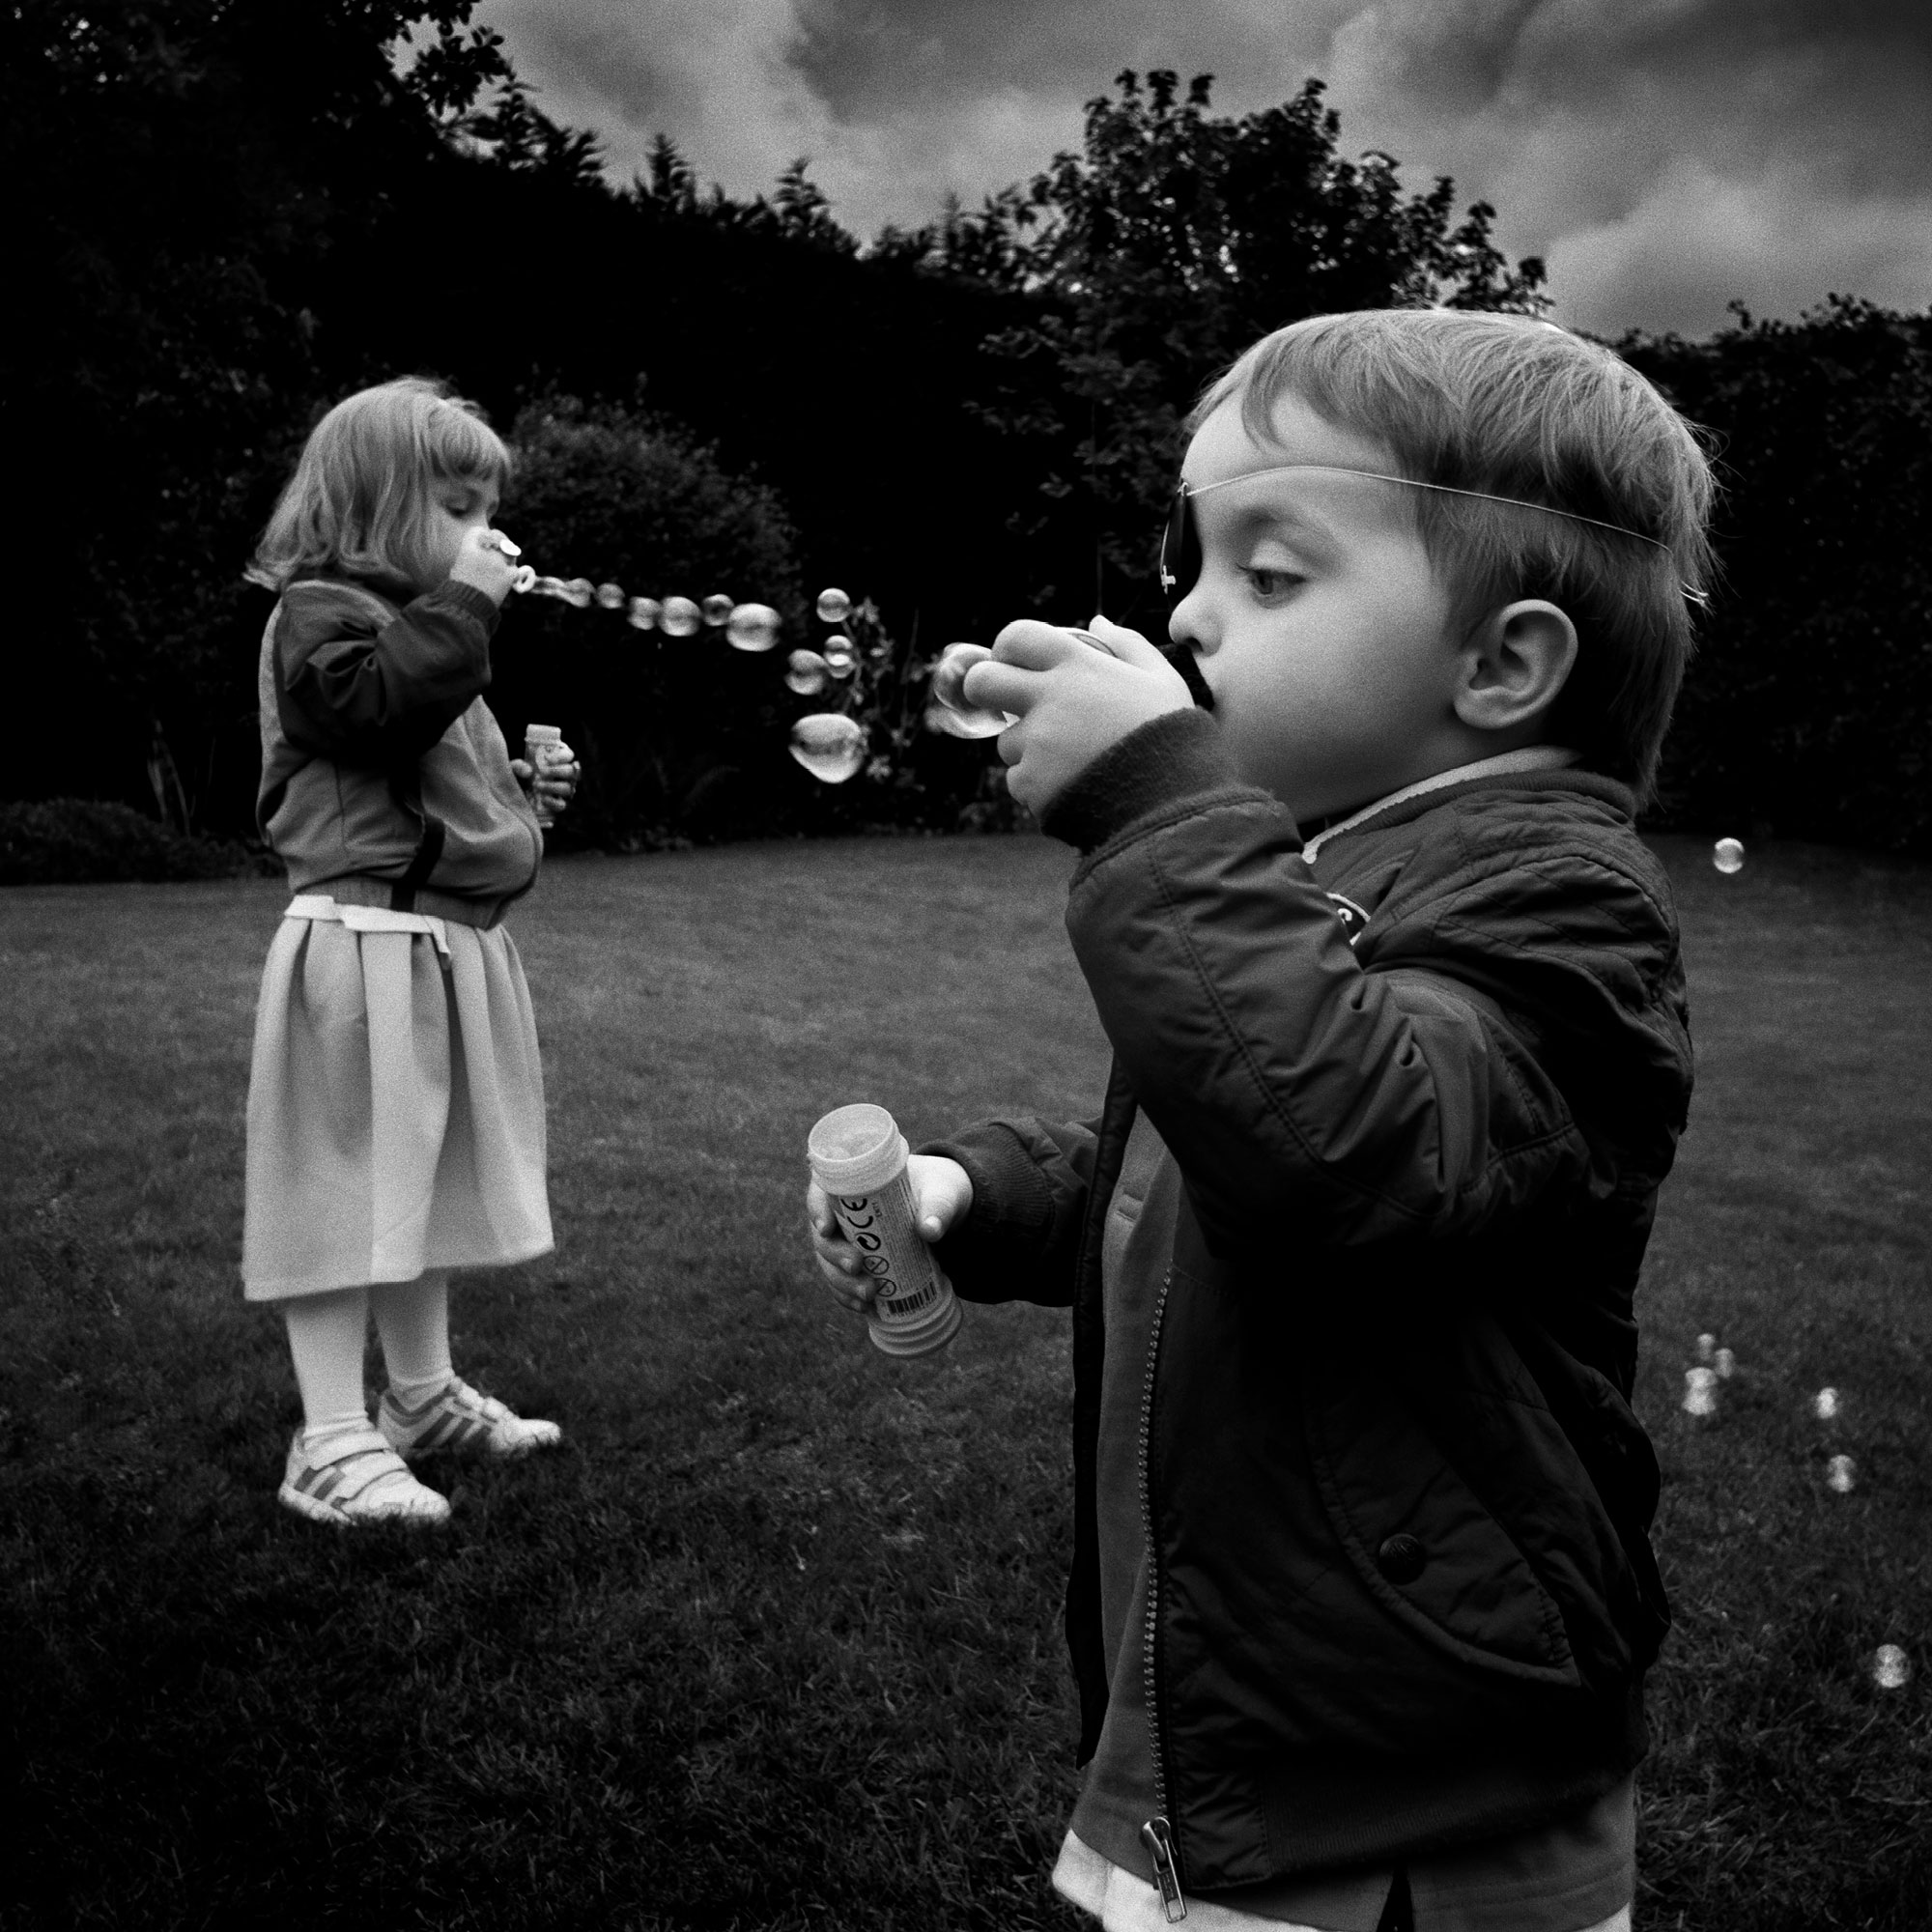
(357, 503)
(1522, 409)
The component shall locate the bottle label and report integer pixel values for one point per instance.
(882, 1227)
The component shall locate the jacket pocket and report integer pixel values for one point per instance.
(1424, 1544)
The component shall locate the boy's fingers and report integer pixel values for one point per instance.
(1034, 645)
(992, 686)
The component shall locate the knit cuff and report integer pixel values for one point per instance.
(1170, 758)
(469, 601)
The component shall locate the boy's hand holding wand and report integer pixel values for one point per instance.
(1072, 701)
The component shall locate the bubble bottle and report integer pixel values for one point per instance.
(859, 1156)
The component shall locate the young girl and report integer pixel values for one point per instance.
(395, 1105)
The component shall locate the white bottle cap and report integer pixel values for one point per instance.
(856, 1149)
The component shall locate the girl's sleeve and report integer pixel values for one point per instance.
(1020, 1239)
(364, 685)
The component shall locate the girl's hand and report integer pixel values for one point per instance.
(481, 563)
(942, 1192)
(551, 789)
(1072, 701)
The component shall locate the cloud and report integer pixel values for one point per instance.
(1665, 156)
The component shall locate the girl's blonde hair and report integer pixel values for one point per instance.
(357, 503)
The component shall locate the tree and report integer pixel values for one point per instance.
(187, 179)
(1173, 239)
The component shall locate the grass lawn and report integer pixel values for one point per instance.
(774, 1640)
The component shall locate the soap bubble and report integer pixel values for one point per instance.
(644, 612)
(1707, 1347)
(834, 607)
(524, 580)
(1891, 1668)
(753, 627)
(1725, 1363)
(1728, 855)
(1824, 1404)
(1700, 1391)
(679, 617)
(610, 596)
(949, 712)
(828, 745)
(1840, 1473)
(716, 611)
(841, 664)
(550, 586)
(579, 592)
(806, 672)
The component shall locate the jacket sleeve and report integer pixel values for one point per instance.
(1020, 1239)
(365, 686)
(1304, 1090)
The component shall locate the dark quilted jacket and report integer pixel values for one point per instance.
(1404, 1596)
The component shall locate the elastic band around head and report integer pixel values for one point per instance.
(1444, 489)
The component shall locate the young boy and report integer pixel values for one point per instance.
(1361, 1598)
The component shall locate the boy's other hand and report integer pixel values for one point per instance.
(481, 563)
(1072, 701)
(942, 1192)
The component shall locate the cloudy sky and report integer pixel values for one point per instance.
(1666, 155)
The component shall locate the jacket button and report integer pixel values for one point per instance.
(1400, 1558)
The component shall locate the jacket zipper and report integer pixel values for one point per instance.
(1157, 1834)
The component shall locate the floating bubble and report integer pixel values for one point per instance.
(806, 672)
(610, 596)
(1840, 1473)
(525, 579)
(1824, 1404)
(551, 586)
(716, 611)
(828, 745)
(841, 664)
(834, 607)
(753, 627)
(1707, 1347)
(949, 712)
(1728, 855)
(1725, 1363)
(644, 612)
(579, 592)
(1891, 1668)
(679, 617)
(1700, 1391)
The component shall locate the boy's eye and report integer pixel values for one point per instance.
(1270, 580)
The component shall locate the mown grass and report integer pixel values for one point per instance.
(774, 1642)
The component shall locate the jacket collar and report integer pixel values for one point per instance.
(1505, 764)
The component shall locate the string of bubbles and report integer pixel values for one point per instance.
(830, 744)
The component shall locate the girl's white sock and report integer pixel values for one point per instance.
(412, 1318)
(326, 1338)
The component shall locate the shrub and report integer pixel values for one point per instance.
(74, 841)
(1809, 709)
(676, 735)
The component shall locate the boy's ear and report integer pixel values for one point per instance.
(1513, 664)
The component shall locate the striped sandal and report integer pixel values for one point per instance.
(461, 1420)
(356, 1477)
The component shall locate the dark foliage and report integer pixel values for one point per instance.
(1810, 709)
(229, 212)
(85, 841)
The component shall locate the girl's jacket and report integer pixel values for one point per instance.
(384, 776)
(1421, 1094)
